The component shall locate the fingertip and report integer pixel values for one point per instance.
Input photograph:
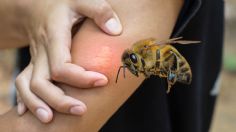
(44, 115)
(101, 80)
(78, 110)
(21, 108)
(76, 107)
(96, 75)
(113, 25)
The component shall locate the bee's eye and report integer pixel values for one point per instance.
(133, 58)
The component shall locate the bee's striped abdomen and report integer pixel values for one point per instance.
(185, 74)
(171, 59)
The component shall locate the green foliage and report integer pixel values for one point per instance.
(230, 63)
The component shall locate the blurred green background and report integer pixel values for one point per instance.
(225, 111)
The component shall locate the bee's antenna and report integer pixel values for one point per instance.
(119, 72)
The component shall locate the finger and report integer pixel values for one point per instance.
(58, 51)
(21, 108)
(50, 93)
(78, 77)
(34, 104)
(102, 13)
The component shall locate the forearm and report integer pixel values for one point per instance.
(97, 51)
(11, 29)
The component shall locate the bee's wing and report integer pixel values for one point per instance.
(176, 41)
(185, 42)
(168, 41)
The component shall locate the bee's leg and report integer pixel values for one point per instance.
(146, 74)
(158, 70)
(158, 59)
(169, 87)
(162, 73)
(174, 65)
(171, 79)
(149, 72)
(173, 70)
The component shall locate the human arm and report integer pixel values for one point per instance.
(48, 23)
(21, 19)
(97, 51)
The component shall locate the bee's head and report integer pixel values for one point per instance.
(131, 60)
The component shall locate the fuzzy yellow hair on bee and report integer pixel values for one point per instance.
(160, 58)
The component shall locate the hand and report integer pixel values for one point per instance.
(46, 91)
(48, 25)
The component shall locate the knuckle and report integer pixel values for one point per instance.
(42, 34)
(34, 84)
(19, 79)
(56, 73)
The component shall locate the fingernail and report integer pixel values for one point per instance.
(77, 110)
(20, 108)
(114, 26)
(100, 79)
(42, 114)
(100, 83)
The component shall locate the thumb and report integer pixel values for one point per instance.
(102, 14)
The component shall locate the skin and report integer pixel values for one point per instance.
(41, 25)
(93, 49)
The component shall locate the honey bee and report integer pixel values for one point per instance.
(152, 57)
